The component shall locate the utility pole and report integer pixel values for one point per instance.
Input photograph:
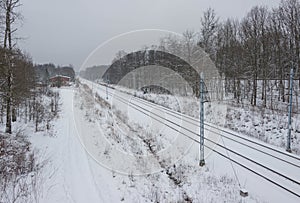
(202, 162)
(288, 146)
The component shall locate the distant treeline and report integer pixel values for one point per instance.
(46, 71)
(254, 54)
(263, 45)
(93, 73)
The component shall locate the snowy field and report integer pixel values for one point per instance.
(100, 149)
(219, 166)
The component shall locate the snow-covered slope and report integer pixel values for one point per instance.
(105, 150)
(74, 174)
(269, 163)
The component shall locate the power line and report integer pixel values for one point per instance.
(170, 112)
(232, 151)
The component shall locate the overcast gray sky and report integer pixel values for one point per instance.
(67, 31)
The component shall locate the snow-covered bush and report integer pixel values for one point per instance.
(19, 172)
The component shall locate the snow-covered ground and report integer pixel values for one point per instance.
(270, 126)
(74, 174)
(265, 191)
(67, 176)
(104, 150)
(135, 181)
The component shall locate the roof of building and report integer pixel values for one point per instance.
(60, 76)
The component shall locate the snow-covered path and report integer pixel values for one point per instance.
(68, 175)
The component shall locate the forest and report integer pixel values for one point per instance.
(23, 103)
(253, 55)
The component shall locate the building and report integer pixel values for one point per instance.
(59, 80)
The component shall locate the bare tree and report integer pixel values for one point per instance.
(189, 44)
(290, 14)
(279, 47)
(253, 35)
(9, 9)
(228, 56)
(119, 55)
(208, 32)
(11, 16)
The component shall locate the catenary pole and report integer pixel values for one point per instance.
(288, 146)
(202, 162)
(107, 82)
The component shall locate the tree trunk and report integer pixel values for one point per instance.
(8, 105)
(14, 114)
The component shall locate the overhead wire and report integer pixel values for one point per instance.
(136, 107)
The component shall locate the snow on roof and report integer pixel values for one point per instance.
(62, 76)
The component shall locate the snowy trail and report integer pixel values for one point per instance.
(71, 178)
(253, 183)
